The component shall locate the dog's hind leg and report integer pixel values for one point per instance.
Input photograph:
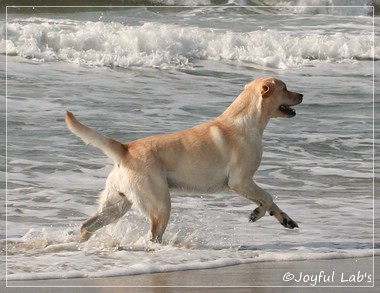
(159, 213)
(112, 207)
(158, 223)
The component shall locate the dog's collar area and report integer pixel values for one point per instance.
(287, 110)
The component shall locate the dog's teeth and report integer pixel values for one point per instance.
(287, 108)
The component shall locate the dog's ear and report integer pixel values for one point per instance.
(266, 91)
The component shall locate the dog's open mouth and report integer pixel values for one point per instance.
(287, 110)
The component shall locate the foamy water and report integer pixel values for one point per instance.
(141, 71)
(167, 45)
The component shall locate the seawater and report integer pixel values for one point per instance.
(137, 71)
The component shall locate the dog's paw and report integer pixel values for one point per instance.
(287, 222)
(257, 214)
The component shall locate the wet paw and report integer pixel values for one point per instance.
(287, 222)
(256, 214)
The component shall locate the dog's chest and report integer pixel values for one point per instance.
(248, 153)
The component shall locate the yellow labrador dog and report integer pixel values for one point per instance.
(222, 154)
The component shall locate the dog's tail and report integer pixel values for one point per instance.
(112, 148)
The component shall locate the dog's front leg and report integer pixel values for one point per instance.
(275, 211)
(282, 217)
(253, 192)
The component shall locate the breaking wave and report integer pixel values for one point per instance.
(166, 45)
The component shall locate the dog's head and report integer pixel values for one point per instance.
(276, 100)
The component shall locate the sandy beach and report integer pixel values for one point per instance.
(344, 275)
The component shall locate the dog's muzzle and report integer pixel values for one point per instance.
(288, 110)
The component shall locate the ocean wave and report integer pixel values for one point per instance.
(163, 46)
(145, 257)
(151, 268)
(313, 7)
(330, 7)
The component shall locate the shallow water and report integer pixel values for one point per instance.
(136, 72)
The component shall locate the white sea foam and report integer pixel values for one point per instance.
(336, 7)
(166, 45)
(190, 242)
(142, 257)
(148, 268)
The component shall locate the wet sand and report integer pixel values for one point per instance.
(345, 275)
